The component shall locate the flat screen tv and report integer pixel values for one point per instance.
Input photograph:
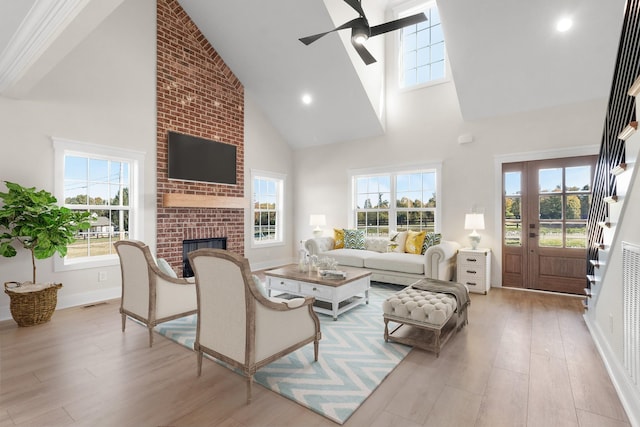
(197, 159)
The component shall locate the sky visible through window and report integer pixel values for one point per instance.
(551, 179)
(93, 181)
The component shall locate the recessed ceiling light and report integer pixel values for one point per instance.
(564, 24)
(306, 99)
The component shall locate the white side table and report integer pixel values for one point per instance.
(474, 269)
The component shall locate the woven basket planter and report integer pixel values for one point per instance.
(32, 307)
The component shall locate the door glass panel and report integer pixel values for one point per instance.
(550, 180)
(550, 235)
(573, 208)
(550, 207)
(576, 235)
(585, 203)
(512, 233)
(512, 209)
(513, 183)
(578, 179)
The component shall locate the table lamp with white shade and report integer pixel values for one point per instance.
(317, 221)
(474, 221)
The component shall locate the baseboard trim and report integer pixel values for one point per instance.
(74, 300)
(627, 392)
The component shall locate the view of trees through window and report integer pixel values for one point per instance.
(267, 194)
(414, 208)
(564, 196)
(100, 186)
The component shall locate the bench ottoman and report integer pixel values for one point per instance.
(427, 318)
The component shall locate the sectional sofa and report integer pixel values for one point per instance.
(389, 265)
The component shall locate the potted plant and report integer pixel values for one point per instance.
(32, 219)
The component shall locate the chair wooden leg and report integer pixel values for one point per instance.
(316, 345)
(199, 363)
(124, 321)
(249, 388)
(386, 330)
(150, 336)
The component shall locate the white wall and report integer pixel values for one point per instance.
(266, 150)
(423, 126)
(103, 92)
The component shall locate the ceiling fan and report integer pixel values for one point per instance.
(361, 31)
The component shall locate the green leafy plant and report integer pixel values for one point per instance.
(34, 220)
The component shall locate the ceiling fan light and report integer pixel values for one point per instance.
(360, 38)
(359, 34)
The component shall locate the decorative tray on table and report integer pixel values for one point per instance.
(332, 274)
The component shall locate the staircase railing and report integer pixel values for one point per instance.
(620, 111)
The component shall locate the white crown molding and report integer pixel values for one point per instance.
(44, 22)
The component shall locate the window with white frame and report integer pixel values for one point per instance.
(398, 200)
(422, 48)
(106, 182)
(267, 208)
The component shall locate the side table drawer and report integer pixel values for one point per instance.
(317, 291)
(285, 285)
(472, 270)
(473, 281)
(471, 260)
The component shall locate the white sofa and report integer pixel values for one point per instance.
(399, 268)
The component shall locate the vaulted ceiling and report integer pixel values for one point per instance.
(505, 56)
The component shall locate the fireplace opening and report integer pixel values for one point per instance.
(193, 244)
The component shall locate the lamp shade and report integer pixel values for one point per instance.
(317, 220)
(474, 221)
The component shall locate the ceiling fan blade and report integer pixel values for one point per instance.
(397, 24)
(355, 4)
(364, 53)
(310, 39)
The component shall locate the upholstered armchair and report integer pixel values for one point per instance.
(240, 325)
(150, 295)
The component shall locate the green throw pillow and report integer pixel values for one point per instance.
(431, 239)
(353, 239)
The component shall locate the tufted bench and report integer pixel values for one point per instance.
(430, 318)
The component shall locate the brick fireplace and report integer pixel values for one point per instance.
(197, 94)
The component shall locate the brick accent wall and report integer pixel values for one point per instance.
(197, 94)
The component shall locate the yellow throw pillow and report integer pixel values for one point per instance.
(338, 236)
(414, 242)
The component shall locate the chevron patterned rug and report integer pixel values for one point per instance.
(353, 359)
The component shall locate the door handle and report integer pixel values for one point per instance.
(532, 234)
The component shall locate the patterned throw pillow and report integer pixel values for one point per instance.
(400, 239)
(338, 236)
(354, 239)
(431, 239)
(414, 242)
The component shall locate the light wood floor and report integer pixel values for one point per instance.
(525, 359)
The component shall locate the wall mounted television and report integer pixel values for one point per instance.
(191, 158)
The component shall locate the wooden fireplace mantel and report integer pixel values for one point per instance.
(181, 200)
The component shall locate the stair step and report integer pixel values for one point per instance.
(629, 130)
(585, 304)
(587, 292)
(596, 263)
(592, 279)
(604, 224)
(599, 246)
(611, 199)
(619, 169)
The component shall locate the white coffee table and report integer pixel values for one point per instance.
(333, 296)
